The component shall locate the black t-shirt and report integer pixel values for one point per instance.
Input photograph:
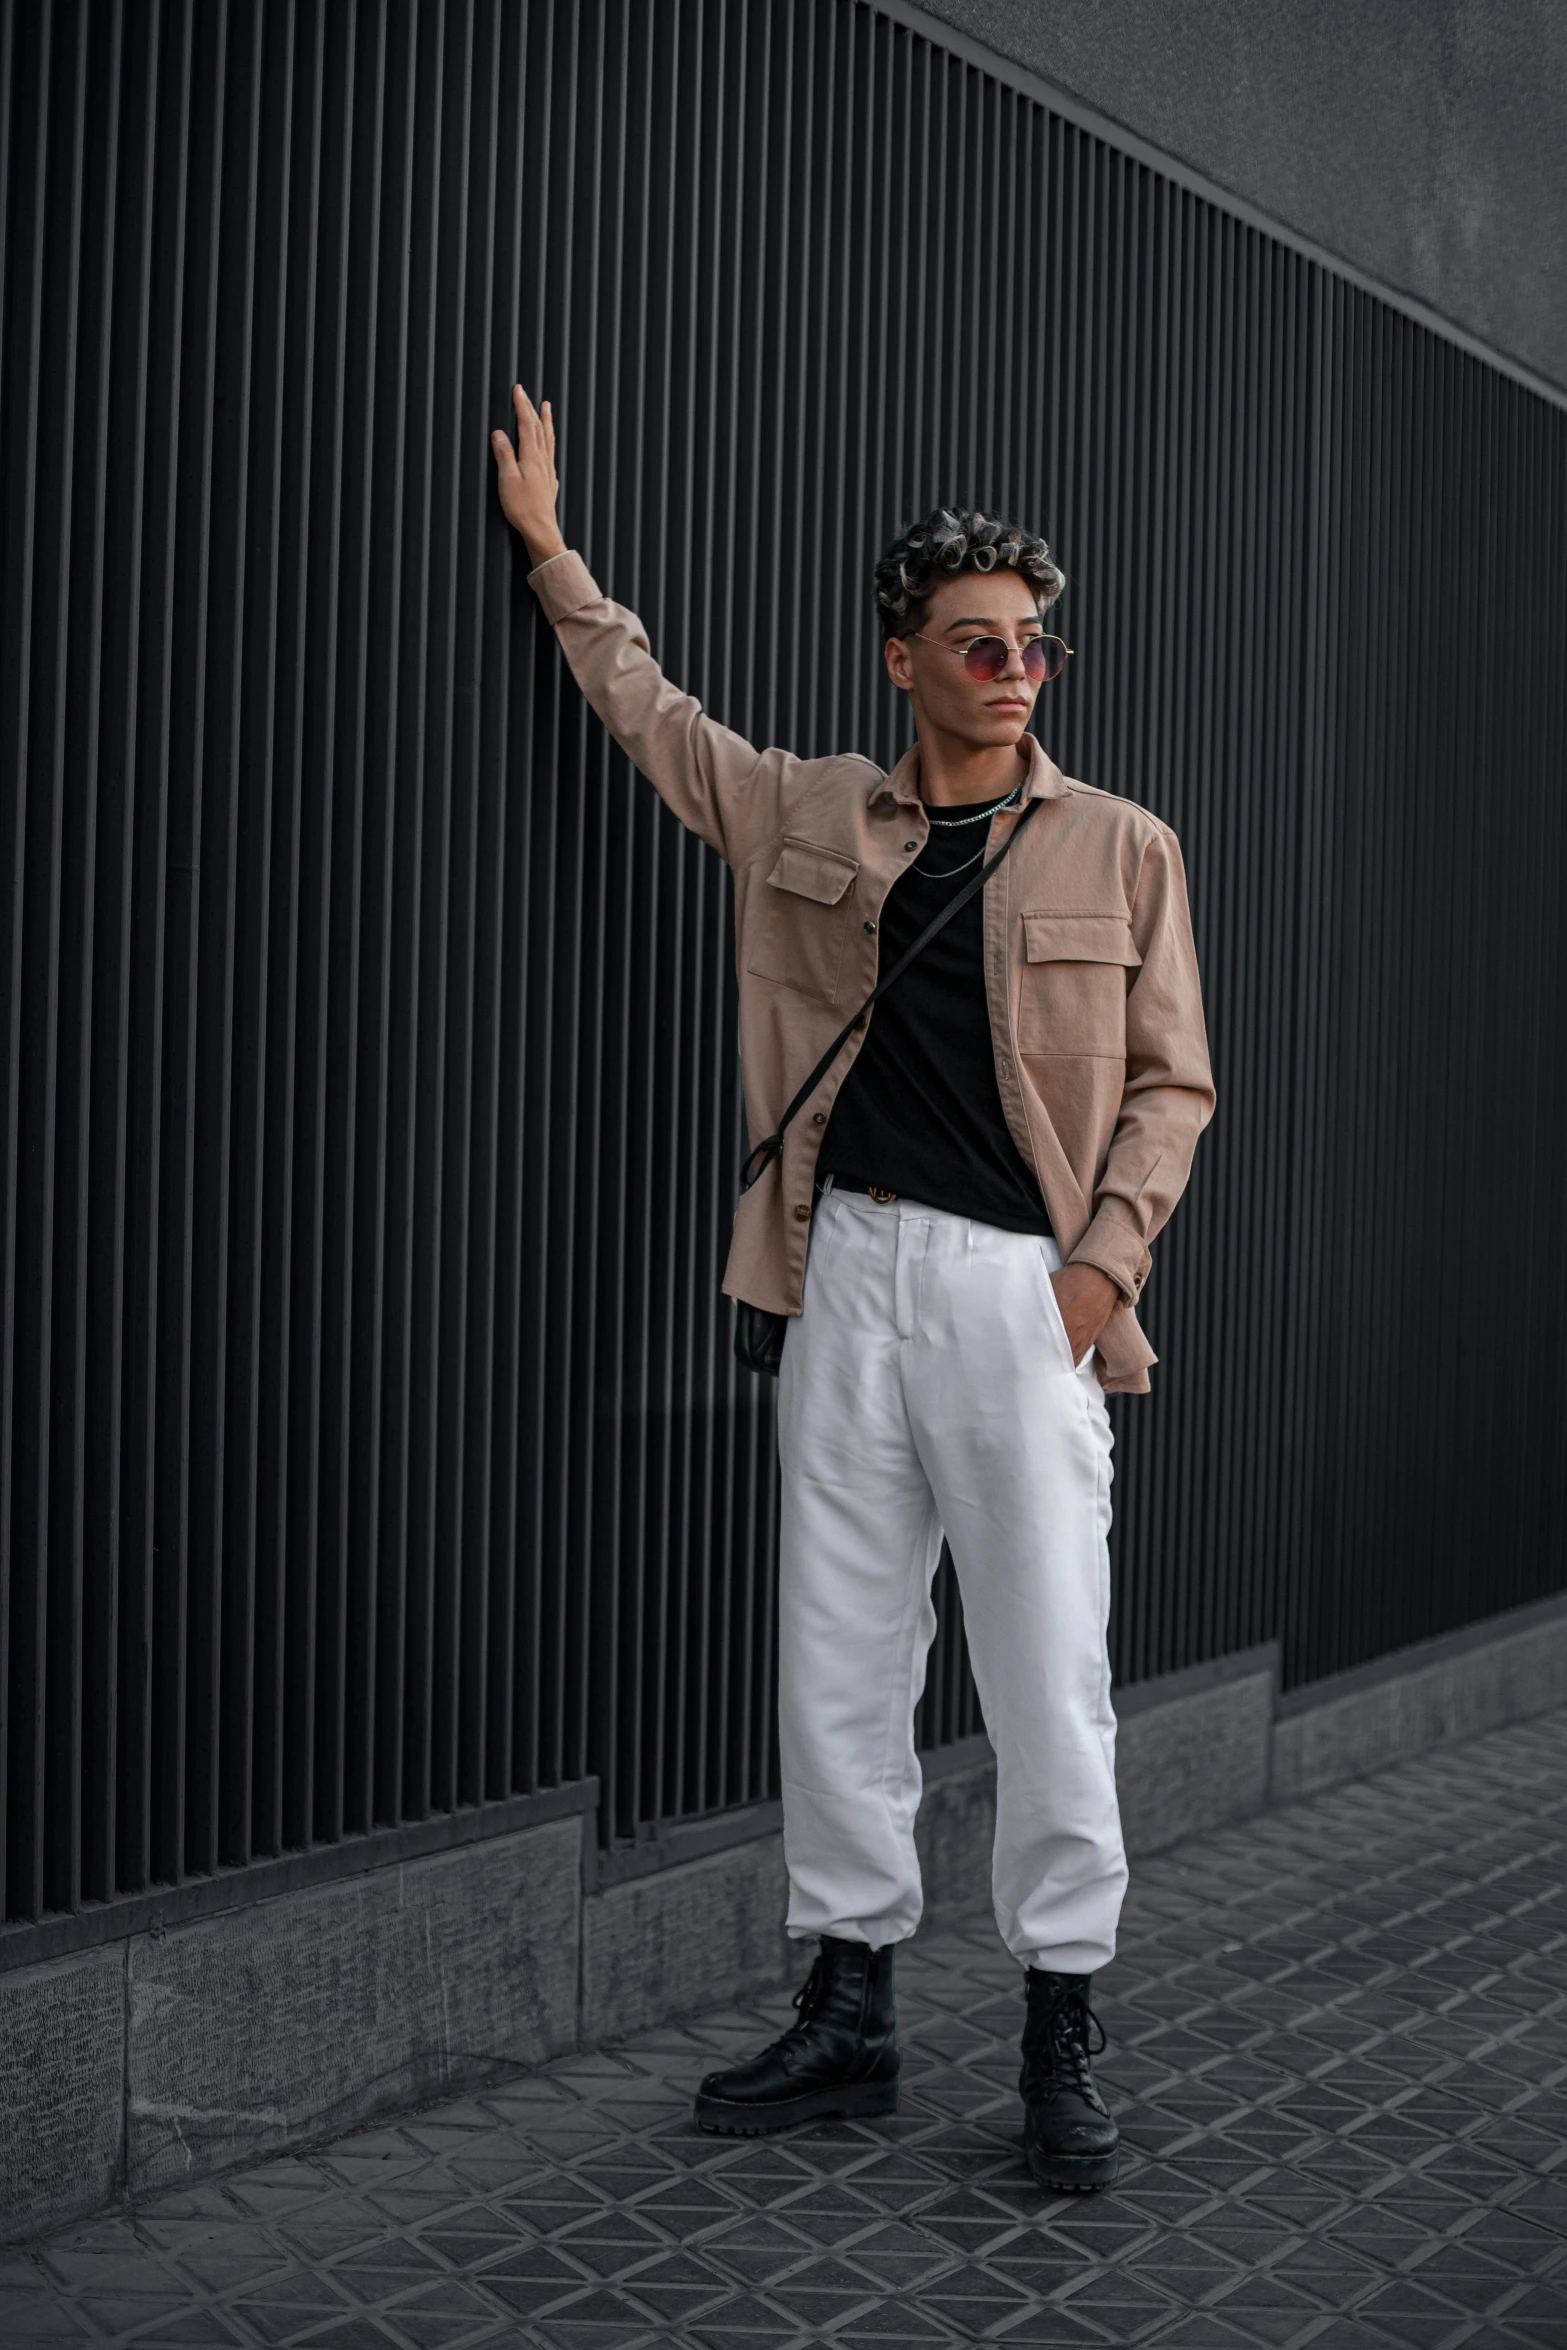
(920, 1111)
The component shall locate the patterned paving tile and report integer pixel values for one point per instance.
(1338, 2049)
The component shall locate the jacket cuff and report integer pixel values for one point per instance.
(1115, 1250)
(563, 583)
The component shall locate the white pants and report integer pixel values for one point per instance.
(928, 1386)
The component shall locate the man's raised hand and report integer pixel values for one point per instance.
(525, 477)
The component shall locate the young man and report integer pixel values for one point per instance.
(958, 1229)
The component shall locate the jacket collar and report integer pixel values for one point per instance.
(1045, 779)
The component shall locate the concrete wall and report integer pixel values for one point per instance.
(1421, 140)
(194, 2046)
(190, 2048)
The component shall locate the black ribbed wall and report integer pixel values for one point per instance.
(368, 1117)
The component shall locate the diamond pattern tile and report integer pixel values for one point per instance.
(1337, 2048)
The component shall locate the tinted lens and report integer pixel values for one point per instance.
(986, 657)
(1043, 656)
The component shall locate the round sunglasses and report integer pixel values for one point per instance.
(1044, 657)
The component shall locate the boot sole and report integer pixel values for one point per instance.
(1076, 2174)
(859, 2101)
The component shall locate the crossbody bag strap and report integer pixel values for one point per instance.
(759, 1160)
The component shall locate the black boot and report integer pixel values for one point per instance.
(841, 2057)
(1068, 2135)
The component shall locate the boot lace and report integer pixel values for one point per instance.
(1057, 2047)
(807, 2000)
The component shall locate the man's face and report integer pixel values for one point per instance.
(930, 666)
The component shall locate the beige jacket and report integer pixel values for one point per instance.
(1095, 1008)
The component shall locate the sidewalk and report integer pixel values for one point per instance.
(1338, 2053)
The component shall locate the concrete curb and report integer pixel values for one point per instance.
(1473, 1680)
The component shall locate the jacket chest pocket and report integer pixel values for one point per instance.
(798, 918)
(1072, 988)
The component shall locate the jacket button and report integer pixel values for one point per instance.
(1004, 1069)
(870, 926)
(802, 1214)
(909, 847)
(818, 1117)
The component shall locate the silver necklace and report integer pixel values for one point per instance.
(946, 823)
(947, 872)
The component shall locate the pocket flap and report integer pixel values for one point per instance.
(1080, 938)
(811, 872)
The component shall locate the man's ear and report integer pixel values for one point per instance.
(899, 667)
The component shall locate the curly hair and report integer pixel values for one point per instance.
(948, 542)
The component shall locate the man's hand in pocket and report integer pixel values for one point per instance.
(1086, 1298)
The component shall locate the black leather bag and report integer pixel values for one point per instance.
(759, 1335)
(759, 1338)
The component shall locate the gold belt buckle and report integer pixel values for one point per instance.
(885, 1197)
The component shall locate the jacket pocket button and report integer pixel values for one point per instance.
(802, 1214)
(870, 926)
